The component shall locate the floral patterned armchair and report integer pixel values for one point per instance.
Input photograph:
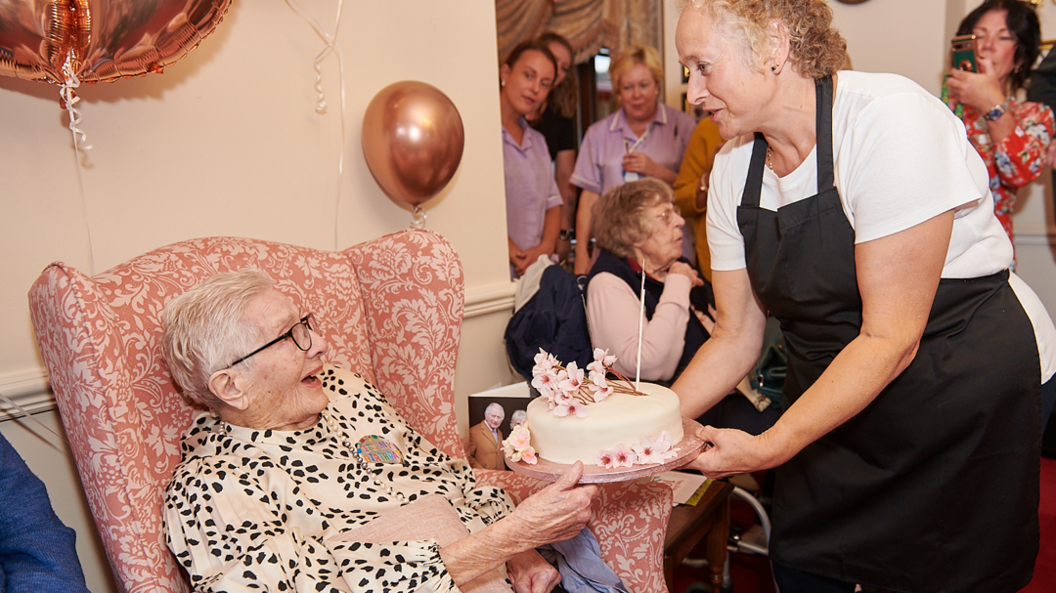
(391, 309)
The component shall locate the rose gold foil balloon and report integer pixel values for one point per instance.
(412, 140)
(104, 40)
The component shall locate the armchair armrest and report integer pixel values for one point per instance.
(630, 522)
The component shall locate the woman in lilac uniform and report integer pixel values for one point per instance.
(644, 138)
(533, 203)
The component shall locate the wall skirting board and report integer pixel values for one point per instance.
(30, 389)
(1032, 237)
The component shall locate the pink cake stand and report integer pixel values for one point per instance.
(689, 447)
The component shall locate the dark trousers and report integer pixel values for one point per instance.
(790, 580)
(1048, 398)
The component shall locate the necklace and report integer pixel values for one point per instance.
(770, 158)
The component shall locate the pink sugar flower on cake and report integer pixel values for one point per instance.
(600, 386)
(528, 456)
(616, 457)
(545, 383)
(666, 443)
(573, 378)
(543, 362)
(621, 457)
(654, 451)
(604, 459)
(570, 407)
(517, 447)
(646, 451)
(603, 357)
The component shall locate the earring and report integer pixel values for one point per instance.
(773, 69)
(502, 83)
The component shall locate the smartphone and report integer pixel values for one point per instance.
(963, 49)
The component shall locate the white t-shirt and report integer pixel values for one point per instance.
(900, 157)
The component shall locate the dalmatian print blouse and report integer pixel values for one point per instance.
(252, 510)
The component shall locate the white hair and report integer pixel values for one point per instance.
(204, 329)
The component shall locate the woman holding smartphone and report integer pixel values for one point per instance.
(1010, 135)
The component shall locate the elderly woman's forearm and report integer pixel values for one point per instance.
(482, 552)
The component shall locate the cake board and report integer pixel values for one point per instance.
(688, 448)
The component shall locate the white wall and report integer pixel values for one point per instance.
(227, 141)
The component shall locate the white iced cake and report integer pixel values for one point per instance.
(620, 431)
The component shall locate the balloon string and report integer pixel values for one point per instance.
(331, 45)
(418, 221)
(320, 104)
(68, 92)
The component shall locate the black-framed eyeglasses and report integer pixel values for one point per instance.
(300, 333)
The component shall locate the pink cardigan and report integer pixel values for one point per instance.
(612, 314)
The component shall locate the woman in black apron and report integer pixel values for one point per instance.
(908, 455)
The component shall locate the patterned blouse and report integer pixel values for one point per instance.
(1018, 159)
(252, 510)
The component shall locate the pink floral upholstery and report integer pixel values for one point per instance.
(630, 522)
(391, 308)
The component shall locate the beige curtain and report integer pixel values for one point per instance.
(587, 24)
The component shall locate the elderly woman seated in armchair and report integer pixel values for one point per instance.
(294, 456)
(638, 228)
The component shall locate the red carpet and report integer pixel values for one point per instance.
(751, 573)
(1045, 567)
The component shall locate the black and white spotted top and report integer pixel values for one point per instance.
(251, 510)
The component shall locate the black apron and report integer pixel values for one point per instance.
(934, 485)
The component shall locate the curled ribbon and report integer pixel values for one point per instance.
(68, 92)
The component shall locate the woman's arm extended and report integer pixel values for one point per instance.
(733, 348)
(897, 278)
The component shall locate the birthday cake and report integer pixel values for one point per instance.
(584, 415)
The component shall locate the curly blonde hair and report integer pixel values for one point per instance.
(817, 48)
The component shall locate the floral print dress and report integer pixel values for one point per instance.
(1018, 159)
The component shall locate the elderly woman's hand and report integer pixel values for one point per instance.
(684, 269)
(530, 573)
(555, 513)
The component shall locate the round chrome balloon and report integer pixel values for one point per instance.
(412, 140)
